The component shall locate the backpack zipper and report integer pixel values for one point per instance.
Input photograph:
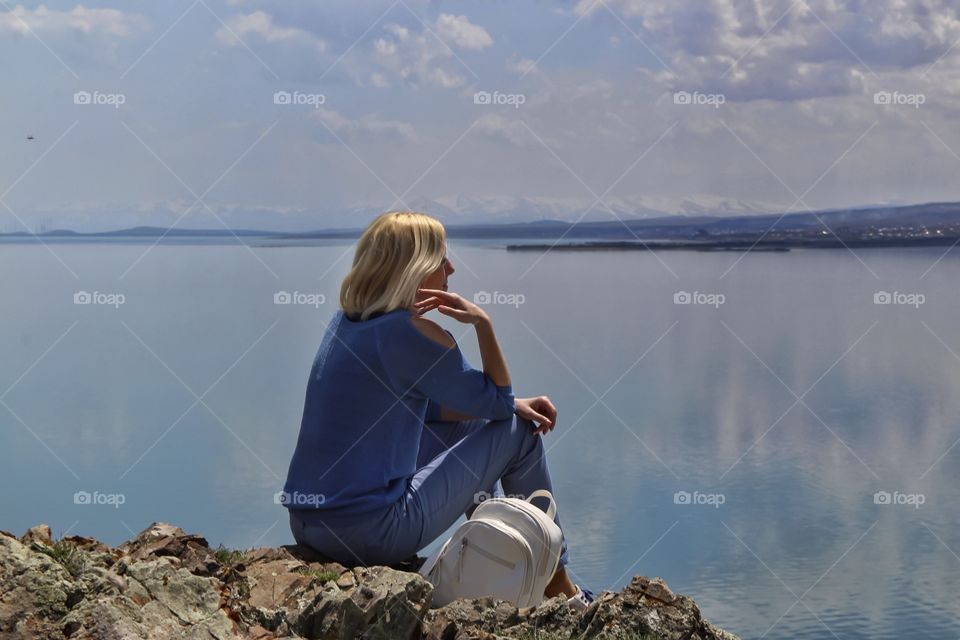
(489, 555)
(528, 576)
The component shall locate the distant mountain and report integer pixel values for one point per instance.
(553, 225)
(145, 232)
(469, 210)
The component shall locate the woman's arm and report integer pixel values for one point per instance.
(491, 386)
(494, 364)
(538, 409)
(460, 309)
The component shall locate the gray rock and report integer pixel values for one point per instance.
(383, 604)
(168, 584)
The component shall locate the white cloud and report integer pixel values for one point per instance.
(459, 32)
(521, 66)
(261, 25)
(419, 58)
(80, 18)
(788, 49)
(370, 126)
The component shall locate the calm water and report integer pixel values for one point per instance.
(781, 412)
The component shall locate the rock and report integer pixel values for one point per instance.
(648, 606)
(164, 540)
(276, 588)
(39, 534)
(385, 604)
(463, 617)
(346, 580)
(35, 590)
(166, 583)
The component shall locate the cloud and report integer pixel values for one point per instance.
(368, 127)
(458, 31)
(788, 50)
(417, 58)
(520, 66)
(79, 19)
(261, 25)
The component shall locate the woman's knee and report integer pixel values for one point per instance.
(514, 427)
(524, 432)
(518, 436)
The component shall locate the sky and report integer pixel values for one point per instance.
(294, 115)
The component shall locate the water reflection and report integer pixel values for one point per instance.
(654, 398)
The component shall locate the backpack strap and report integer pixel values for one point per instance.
(543, 493)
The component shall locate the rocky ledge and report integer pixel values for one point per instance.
(169, 584)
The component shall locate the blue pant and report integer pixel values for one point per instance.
(458, 466)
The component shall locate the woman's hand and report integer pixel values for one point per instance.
(450, 304)
(538, 409)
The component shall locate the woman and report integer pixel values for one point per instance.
(400, 435)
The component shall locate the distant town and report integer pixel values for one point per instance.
(873, 235)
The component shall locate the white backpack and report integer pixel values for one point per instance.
(508, 549)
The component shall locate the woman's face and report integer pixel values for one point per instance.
(438, 279)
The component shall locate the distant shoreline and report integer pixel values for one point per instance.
(781, 245)
(739, 245)
(922, 225)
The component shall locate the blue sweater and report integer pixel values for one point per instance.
(372, 385)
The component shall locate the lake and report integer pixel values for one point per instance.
(783, 447)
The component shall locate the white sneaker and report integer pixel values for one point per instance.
(581, 599)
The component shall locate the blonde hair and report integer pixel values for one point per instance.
(395, 253)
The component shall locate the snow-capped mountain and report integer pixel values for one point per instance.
(505, 209)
